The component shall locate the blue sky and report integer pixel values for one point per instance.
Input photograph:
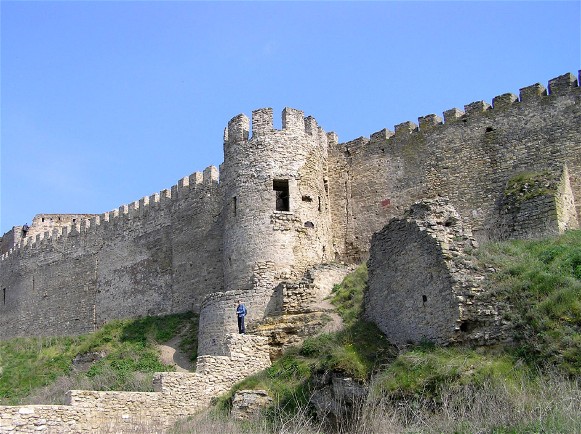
(104, 102)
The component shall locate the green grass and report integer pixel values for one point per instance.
(129, 346)
(528, 185)
(425, 372)
(542, 282)
(31, 363)
(348, 296)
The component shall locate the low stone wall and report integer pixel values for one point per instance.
(177, 395)
(306, 294)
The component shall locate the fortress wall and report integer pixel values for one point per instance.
(468, 158)
(163, 257)
(134, 264)
(44, 294)
(141, 259)
(362, 193)
(166, 252)
(197, 239)
(42, 223)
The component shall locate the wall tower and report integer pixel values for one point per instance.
(276, 204)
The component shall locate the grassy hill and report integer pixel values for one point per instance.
(529, 386)
(124, 354)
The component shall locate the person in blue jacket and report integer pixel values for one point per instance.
(241, 313)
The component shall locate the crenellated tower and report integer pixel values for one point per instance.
(275, 197)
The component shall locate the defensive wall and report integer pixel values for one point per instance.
(470, 157)
(293, 198)
(158, 255)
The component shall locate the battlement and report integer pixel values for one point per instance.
(561, 86)
(48, 228)
(293, 122)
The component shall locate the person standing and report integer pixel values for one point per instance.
(241, 313)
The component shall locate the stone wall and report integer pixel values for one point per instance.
(141, 259)
(10, 239)
(469, 157)
(424, 284)
(537, 204)
(177, 395)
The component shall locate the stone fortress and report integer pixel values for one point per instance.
(287, 215)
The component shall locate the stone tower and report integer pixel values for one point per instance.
(276, 212)
(276, 206)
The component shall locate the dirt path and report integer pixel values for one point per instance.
(172, 355)
(336, 322)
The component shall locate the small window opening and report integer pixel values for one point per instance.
(74, 220)
(310, 225)
(280, 186)
(43, 219)
(234, 205)
(424, 298)
(326, 184)
(319, 203)
(469, 326)
(4, 296)
(489, 129)
(307, 198)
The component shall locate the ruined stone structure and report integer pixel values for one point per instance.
(287, 214)
(443, 299)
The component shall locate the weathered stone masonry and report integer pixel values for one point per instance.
(290, 199)
(424, 283)
(177, 395)
(143, 258)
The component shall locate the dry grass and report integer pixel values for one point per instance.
(543, 405)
